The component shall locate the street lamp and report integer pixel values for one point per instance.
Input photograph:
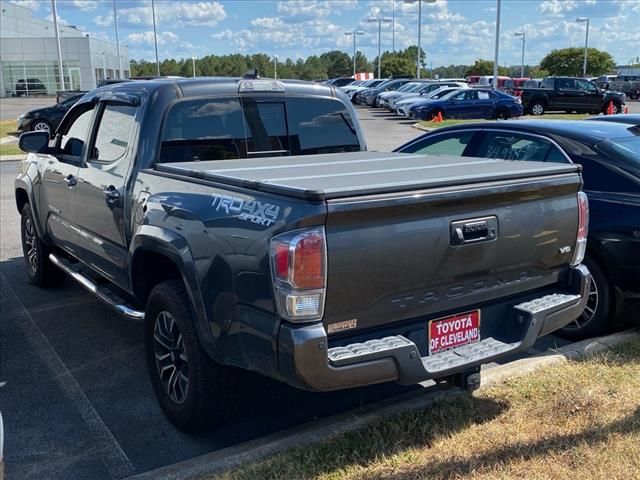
(380, 20)
(419, 32)
(193, 63)
(355, 33)
(522, 34)
(586, 44)
(495, 57)
(155, 36)
(275, 67)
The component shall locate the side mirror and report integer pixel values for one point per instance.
(34, 142)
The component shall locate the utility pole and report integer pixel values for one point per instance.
(193, 62)
(522, 34)
(495, 58)
(155, 36)
(586, 44)
(419, 31)
(115, 22)
(55, 24)
(355, 33)
(379, 20)
(275, 67)
(393, 27)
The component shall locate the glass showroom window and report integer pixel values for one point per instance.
(25, 78)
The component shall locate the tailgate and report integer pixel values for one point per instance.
(406, 255)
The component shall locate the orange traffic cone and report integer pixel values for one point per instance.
(440, 119)
(626, 109)
(610, 108)
(435, 119)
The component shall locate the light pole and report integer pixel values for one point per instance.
(495, 58)
(379, 20)
(275, 67)
(522, 34)
(55, 24)
(115, 23)
(193, 62)
(155, 36)
(355, 33)
(419, 31)
(586, 44)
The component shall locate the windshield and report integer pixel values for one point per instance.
(409, 87)
(626, 149)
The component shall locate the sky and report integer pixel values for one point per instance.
(453, 31)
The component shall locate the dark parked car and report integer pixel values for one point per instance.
(341, 81)
(244, 222)
(48, 118)
(570, 94)
(610, 157)
(370, 96)
(469, 103)
(30, 86)
(628, 118)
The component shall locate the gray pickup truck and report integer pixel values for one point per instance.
(244, 221)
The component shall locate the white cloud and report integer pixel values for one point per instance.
(103, 20)
(85, 4)
(557, 7)
(310, 9)
(61, 21)
(147, 38)
(269, 23)
(208, 13)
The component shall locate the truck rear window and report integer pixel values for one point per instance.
(232, 127)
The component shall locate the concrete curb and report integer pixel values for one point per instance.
(417, 126)
(315, 432)
(12, 158)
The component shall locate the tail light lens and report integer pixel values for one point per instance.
(299, 265)
(583, 229)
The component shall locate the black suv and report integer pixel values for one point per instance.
(30, 86)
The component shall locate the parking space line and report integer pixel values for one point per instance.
(107, 447)
(65, 304)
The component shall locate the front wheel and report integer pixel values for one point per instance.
(194, 392)
(597, 318)
(42, 273)
(501, 114)
(537, 108)
(41, 126)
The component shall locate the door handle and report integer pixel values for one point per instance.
(70, 181)
(112, 194)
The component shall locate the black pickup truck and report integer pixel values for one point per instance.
(570, 94)
(244, 221)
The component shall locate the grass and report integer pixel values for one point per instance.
(576, 420)
(7, 128)
(551, 116)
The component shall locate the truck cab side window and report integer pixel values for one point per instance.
(114, 131)
(73, 136)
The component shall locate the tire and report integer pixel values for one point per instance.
(598, 317)
(501, 114)
(40, 125)
(42, 273)
(634, 95)
(204, 393)
(537, 108)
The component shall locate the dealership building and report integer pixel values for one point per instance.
(29, 55)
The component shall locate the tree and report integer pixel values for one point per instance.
(484, 67)
(397, 66)
(338, 64)
(569, 61)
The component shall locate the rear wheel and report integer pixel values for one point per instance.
(41, 271)
(597, 318)
(194, 392)
(537, 108)
(501, 114)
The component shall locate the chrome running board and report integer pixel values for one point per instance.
(103, 293)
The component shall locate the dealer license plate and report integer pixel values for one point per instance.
(454, 331)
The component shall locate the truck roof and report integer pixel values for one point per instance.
(199, 86)
(339, 175)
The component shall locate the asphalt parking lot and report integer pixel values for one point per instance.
(77, 402)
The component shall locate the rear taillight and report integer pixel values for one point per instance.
(299, 267)
(583, 229)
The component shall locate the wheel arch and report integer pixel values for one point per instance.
(24, 194)
(157, 255)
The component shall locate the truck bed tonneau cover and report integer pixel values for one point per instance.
(337, 175)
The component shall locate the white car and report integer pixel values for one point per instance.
(351, 88)
(403, 107)
(385, 97)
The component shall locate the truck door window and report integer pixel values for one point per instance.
(73, 136)
(114, 132)
(514, 146)
(586, 86)
(203, 129)
(320, 125)
(455, 143)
